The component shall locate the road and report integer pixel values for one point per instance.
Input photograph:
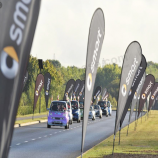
(36, 141)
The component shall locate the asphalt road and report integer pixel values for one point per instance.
(36, 141)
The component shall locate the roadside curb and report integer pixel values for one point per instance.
(29, 123)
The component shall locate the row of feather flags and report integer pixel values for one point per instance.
(135, 86)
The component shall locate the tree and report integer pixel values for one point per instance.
(55, 63)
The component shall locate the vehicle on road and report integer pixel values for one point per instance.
(91, 113)
(70, 112)
(58, 114)
(98, 111)
(76, 111)
(109, 108)
(81, 108)
(104, 107)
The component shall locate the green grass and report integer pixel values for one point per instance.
(36, 114)
(30, 120)
(143, 140)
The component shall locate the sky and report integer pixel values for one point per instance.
(63, 27)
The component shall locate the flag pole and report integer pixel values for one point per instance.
(113, 145)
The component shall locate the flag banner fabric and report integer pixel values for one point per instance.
(38, 87)
(25, 79)
(104, 93)
(95, 41)
(97, 92)
(134, 86)
(154, 94)
(47, 82)
(131, 63)
(69, 88)
(137, 95)
(106, 96)
(17, 27)
(81, 90)
(76, 87)
(147, 87)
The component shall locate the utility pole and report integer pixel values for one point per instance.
(40, 62)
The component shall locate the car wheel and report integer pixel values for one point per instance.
(107, 115)
(67, 126)
(48, 126)
(100, 116)
(78, 121)
(94, 117)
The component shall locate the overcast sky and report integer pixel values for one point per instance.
(63, 28)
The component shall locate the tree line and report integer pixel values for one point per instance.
(108, 76)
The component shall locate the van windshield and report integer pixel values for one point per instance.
(58, 106)
(81, 104)
(74, 104)
(102, 103)
(96, 107)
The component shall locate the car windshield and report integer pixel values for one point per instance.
(108, 103)
(96, 107)
(68, 104)
(91, 108)
(101, 103)
(74, 104)
(58, 106)
(81, 104)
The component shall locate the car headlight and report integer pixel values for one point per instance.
(50, 114)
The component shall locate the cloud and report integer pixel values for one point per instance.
(63, 28)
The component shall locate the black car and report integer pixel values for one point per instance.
(104, 108)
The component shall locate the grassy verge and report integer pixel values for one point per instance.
(143, 140)
(30, 120)
(37, 114)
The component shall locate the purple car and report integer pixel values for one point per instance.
(58, 114)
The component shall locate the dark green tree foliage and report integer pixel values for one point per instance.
(108, 76)
(55, 63)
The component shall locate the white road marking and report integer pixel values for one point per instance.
(59, 131)
(55, 132)
(33, 139)
(50, 134)
(39, 137)
(64, 130)
(26, 141)
(18, 144)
